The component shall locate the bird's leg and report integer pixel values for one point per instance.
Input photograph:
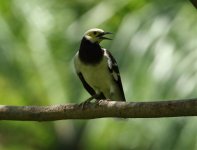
(110, 96)
(99, 101)
(89, 100)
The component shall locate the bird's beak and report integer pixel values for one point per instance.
(101, 36)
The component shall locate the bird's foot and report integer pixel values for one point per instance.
(108, 100)
(88, 101)
(85, 103)
(98, 102)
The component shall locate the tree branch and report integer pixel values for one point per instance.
(173, 108)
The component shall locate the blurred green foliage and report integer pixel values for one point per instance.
(155, 46)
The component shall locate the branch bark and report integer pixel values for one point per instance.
(171, 108)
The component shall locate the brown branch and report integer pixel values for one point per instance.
(173, 108)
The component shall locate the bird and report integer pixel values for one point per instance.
(97, 68)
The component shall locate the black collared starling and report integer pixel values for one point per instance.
(97, 68)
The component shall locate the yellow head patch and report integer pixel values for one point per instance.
(96, 35)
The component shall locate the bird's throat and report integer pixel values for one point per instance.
(90, 53)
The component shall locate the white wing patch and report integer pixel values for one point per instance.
(115, 75)
(112, 65)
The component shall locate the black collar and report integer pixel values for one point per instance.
(90, 53)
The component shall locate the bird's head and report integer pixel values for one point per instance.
(96, 35)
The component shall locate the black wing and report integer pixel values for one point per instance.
(88, 87)
(113, 68)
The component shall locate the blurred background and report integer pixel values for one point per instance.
(154, 43)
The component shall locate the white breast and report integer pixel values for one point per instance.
(97, 76)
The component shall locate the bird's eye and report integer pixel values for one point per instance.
(94, 33)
